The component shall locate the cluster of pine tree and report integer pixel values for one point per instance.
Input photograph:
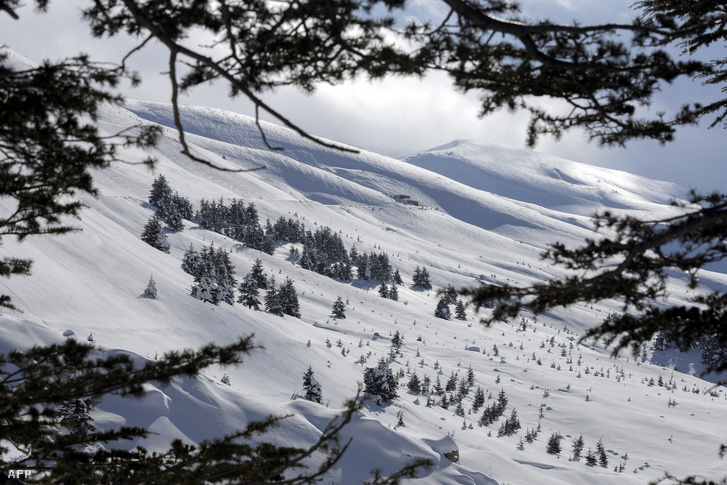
(286, 230)
(510, 426)
(282, 300)
(324, 253)
(449, 297)
(380, 382)
(153, 234)
(374, 267)
(492, 412)
(171, 208)
(252, 283)
(236, 221)
(214, 274)
(420, 279)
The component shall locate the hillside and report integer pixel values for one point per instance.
(483, 211)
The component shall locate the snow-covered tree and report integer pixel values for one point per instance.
(339, 308)
(442, 310)
(383, 290)
(214, 279)
(249, 293)
(205, 289)
(380, 382)
(191, 262)
(168, 212)
(160, 191)
(171, 208)
(224, 274)
(154, 236)
(311, 387)
(258, 275)
(151, 289)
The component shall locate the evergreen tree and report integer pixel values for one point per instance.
(184, 206)
(396, 279)
(151, 289)
(591, 459)
(479, 400)
(553, 446)
(470, 376)
(442, 310)
(383, 290)
(450, 295)
(154, 236)
(393, 293)
(578, 447)
(288, 299)
(339, 308)
(501, 401)
(416, 277)
(171, 208)
(451, 385)
(258, 275)
(713, 353)
(223, 274)
(601, 452)
(76, 416)
(205, 289)
(160, 191)
(380, 382)
(397, 340)
(424, 282)
(421, 279)
(191, 262)
(459, 310)
(272, 299)
(214, 279)
(459, 410)
(414, 384)
(249, 293)
(168, 212)
(311, 387)
(511, 425)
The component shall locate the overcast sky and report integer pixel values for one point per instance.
(400, 117)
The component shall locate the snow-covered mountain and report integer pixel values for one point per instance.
(483, 211)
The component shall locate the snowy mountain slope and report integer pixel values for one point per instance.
(90, 282)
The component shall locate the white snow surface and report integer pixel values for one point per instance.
(484, 210)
